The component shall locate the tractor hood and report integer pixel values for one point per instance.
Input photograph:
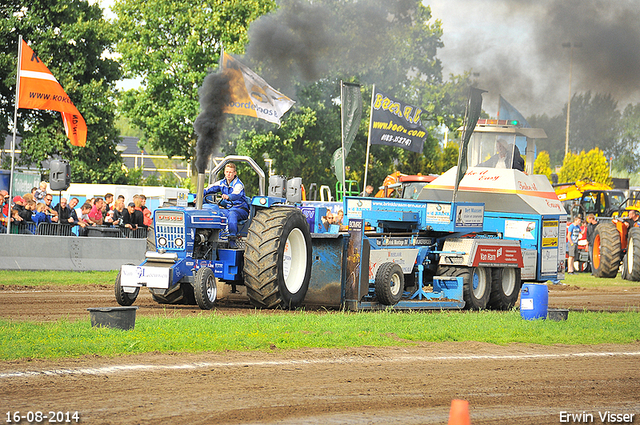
(501, 190)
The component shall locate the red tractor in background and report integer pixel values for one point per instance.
(398, 185)
(615, 244)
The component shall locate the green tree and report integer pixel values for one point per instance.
(170, 45)
(591, 165)
(74, 41)
(555, 127)
(542, 164)
(450, 155)
(627, 158)
(403, 32)
(594, 123)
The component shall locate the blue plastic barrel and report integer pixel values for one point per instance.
(534, 301)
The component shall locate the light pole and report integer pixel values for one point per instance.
(566, 139)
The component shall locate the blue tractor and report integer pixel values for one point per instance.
(272, 258)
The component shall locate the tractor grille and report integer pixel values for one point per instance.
(170, 230)
(171, 234)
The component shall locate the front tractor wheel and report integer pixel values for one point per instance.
(389, 283)
(277, 258)
(204, 288)
(124, 298)
(605, 252)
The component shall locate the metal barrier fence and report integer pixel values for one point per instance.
(55, 229)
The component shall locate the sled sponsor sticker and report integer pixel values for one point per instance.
(438, 212)
(469, 215)
(550, 233)
(519, 229)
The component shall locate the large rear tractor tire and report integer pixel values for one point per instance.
(124, 298)
(505, 287)
(277, 258)
(477, 285)
(389, 283)
(204, 288)
(632, 259)
(606, 250)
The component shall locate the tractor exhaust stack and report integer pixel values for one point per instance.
(200, 190)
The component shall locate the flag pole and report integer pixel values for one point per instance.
(344, 177)
(15, 128)
(366, 166)
(460, 154)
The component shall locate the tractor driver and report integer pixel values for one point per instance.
(507, 156)
(633, 220)
(234, 203)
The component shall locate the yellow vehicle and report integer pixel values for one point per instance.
(614, 243)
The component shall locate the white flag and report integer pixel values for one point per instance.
(251, 95)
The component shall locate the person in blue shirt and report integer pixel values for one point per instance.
(573, 236)
(234, 202)
(40, 214)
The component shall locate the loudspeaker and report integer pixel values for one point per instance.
(59, 174)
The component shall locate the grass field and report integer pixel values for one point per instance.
(261, 331)
(41, 278)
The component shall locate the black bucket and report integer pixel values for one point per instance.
(113, 317)
(557, 314)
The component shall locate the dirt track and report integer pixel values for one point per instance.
(519, 383)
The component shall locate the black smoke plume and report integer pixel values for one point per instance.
(215, 93)
(303, 40)
(523, 58)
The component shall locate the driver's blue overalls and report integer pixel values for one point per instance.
(239, 208)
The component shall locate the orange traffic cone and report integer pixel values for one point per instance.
(459, 414)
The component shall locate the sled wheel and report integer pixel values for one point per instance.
(277, 258)
(124, 298)
(606, 250)
(477, 285)
(204, 288)
(389, 284)
(505, 287)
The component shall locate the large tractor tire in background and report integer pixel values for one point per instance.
(632, 258)
(477, 284)
(505, 288)
(606, 250)
(277, 258)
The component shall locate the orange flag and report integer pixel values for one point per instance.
(39, 89)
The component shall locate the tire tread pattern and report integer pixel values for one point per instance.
(498, 300)
(200, 288)
(634, 273)
(383, 283)
(470, 302)
(610, 250)
(124, 298)
(261, 257)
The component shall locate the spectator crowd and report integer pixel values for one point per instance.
(25, 213)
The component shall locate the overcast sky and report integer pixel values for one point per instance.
(516, 48)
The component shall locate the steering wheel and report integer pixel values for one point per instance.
(216, 198)
(212, 198)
